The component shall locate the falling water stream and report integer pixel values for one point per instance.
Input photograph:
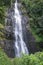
(20, 46)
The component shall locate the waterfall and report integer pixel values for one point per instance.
(20, 46)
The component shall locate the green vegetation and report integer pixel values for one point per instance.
(4, 60)
(33, 59)
(4, 4)
(35, 12)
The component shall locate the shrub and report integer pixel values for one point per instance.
(33, 59)
(4, 60)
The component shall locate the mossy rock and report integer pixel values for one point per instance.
(1, 26)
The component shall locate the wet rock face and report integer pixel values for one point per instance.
(27, 34)
(18, 0)
(8, 43)
(7, 46)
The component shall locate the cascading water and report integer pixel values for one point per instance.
(20, 46)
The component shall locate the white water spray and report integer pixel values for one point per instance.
(20, 46)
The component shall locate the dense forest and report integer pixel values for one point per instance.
(3, 7)
(34, 10)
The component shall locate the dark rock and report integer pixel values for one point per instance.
(7, 45)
